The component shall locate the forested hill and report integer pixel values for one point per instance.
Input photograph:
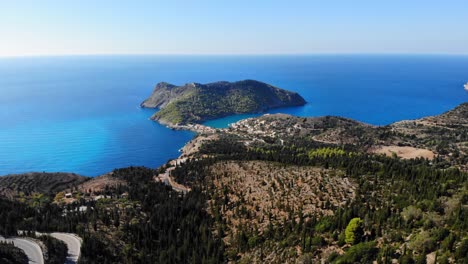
(195, 103)
(444, 136)
(287, 189)
(276, 189)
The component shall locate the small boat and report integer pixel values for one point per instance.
(466, 86)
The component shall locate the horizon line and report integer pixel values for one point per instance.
(231, 54)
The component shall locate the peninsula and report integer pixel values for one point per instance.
(270, 189)
(195, 103)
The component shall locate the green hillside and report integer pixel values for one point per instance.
(195, 103)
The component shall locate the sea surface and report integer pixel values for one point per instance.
(81, 113)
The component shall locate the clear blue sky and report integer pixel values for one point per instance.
(59, 27)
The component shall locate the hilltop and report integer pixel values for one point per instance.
(284, 188)
(196, 103)
(38, 182)
(444, 135)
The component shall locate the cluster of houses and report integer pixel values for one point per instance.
(89, 196)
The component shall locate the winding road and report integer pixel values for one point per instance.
(166, 178)
(73, 243)
(30, 248)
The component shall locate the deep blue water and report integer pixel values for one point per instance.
(81, 114)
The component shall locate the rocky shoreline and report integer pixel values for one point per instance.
(197, 128)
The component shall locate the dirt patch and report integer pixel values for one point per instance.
(194, 145)
(99, 184)
(404, 152)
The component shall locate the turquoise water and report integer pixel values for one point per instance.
(81, 114)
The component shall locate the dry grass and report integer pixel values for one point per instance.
(404, 152)
(194, 145)
(99, 184)
(35, 182)
(260, 192)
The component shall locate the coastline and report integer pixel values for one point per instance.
(60, 133)
(197, 128)
(203, 133)
(255, 129)
(281, 126)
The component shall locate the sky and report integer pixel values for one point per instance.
(57, 27)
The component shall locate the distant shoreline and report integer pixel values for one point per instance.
(86, 120)
(329, 54)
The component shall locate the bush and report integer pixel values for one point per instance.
(360, 253)
(423, 242)
(353, 231)
(411, 213)
(448, 242)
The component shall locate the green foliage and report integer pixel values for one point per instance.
(327, 152)
(360, 253)
(57, 250)
(353, 231)
(462, 250)
(411, 213)
(423, 242)
(11, 215)
(325, 224)
(253, 241)
(172, 114)
(154, 224)
(204, 102)
(395, 197)
(176, 227)
(95, 250)
(9, 254)
(448, 243)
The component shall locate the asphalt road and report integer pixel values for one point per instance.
(30, 248)
(166, 179)
(73, 243)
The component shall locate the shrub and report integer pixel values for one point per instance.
(353, 231)
(423, 242)
(360, 253)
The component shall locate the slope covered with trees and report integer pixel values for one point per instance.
(275, 189)
(407, 209)
(142, 221)
(195, 103)
(9, 254)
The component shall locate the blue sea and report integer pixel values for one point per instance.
(81, 113)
